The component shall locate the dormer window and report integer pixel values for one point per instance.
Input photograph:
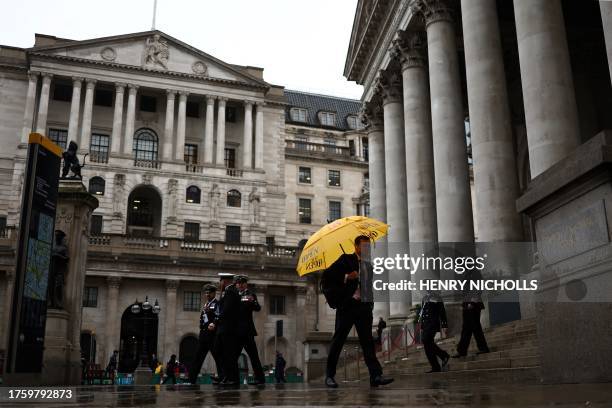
(327, 118)
(353, 122)
(298, 114)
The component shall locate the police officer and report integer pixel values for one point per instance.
(208, 322)
(246, 327)
(227, 346)
(433, 320)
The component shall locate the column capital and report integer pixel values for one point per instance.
(260, 104)
(133, 88)
(210, 99)
(33, 75)
(222, 100)
(433, 11)
(46, 76)
(171, 284)
(389, 85)
(371, 115)
(120, 86)
(77, 82)
(183, 94)
(113, 281)
(248, 104)
(170, 94)
(90, 82)
(410, 47)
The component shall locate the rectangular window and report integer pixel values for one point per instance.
(298, 114)
(305, 211)
(232, 234)
(333, 178)
(352, 147)
(103, 97)
(192, 231)
(277, 305)
(230, 158)
(96, 225)
(3, 226)
(364, 144)
(192, 109)
(335, 210)
(304, 175)
(270, 242)
(148, 103)
(90, 296)
(62, 92)
(59, 137)
(192, 301)
(351, 121)
(230, 114)
(98, 148)
(191, 154)
(327, 118)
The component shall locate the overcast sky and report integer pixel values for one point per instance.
(300, 44)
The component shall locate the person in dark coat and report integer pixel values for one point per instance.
(112, 364)
(433, 320)
(279, 368)
(209, 317)
(352, 310)
(171, 370)
(227, 345)
(379, 330)
(246, 327)
(472, 306)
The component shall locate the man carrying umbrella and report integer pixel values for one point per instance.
(351, 310)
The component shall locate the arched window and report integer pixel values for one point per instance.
(96, 185)
(234, 198)
(145, 145)
(193, 195)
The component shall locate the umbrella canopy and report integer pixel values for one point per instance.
(326, 245)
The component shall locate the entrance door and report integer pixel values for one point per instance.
(138, 338)
(187, 351)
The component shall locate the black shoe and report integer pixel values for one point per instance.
(483, 351)
(445, 363)
(229, 384)
(432, 371)
(257, 382)
(330, 382)
(380, 380)
(458, 355)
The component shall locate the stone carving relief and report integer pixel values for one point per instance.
(215, 196)
(118, 195)
(64, 218)
(172, 199)
(254, 204)
(199, 68)
(147, 178)
(108, 54)
(156, 52)
(57, 272)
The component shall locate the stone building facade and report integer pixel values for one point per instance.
(195, 164)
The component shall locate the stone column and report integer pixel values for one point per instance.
(75, 106)
(117, 118)
(372, 117)
(551, 113)
(128, 136)
(28, 115)
(247, 139)
(169, 125)
(453, 196)
(395, 175)
(113, 317)
(495, 174)
(220, 154)
(180, 127)
(209, 129)
(87, 114)
(606, 19)
(259, 135)
(170, 337)
(43, 105)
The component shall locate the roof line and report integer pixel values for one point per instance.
(323, 95)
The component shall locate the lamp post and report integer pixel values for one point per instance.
(144, 307)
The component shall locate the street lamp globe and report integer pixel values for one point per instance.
(136, 307)
(146, 305)
(156, 307)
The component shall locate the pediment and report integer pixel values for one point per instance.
(152, 50)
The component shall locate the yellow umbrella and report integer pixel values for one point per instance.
(327, 244)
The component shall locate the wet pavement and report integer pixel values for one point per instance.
(402, 393)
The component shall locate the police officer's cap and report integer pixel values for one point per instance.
(241, 278)
(210, 288)
(226, 275)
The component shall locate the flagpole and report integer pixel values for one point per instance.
(154, 13)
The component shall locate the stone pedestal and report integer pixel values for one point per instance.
(62, 357)
(570, 209)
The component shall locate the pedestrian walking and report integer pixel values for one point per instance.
(279, 368)
(246, 327)
(433, 320)
(209, 317)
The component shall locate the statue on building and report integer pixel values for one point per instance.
(172, 190)
(57, 271)
(156, 52)
(254, 202)
(71, 162)
(215, 195)
(118, 195)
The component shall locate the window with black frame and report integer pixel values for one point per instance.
(304, 175)
(192, 231)
(335, 210)
(230, 158)
(333, 178)
(145, 145)
(232, 234)
(95, 227)
(191, 154)
(277, 304)
(98, 149)
(234, 198)
(193, 195)
(97, 185)
(305, 211)
(192, 301)
(59, 137)
(90, 296)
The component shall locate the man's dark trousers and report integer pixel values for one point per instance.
(471, 325)
(248, 343)
(228, 350)
(432, 351)
(354, 312)
(206, 343)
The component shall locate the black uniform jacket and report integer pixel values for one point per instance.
(229, 311)
(209, 314)
(246, 326)
(433, 313)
